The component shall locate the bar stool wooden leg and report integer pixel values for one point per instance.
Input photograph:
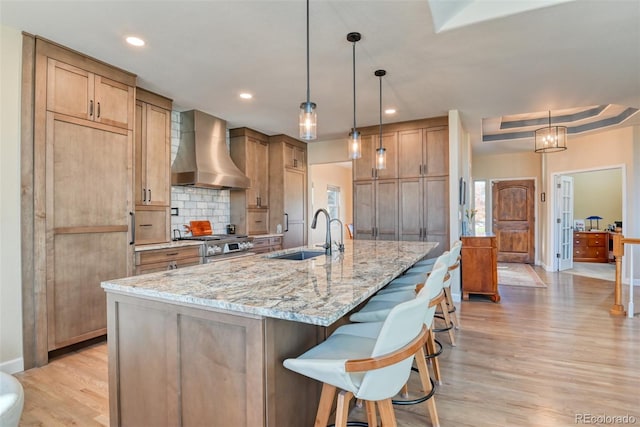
(387, 416)
(325, 405)
(372, 418)
(447, 320)
(431, 349)
(342, 409)
(451, 305)
(426, 384)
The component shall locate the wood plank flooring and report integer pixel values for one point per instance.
(540, 357)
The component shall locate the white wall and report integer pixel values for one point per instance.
(10, 259)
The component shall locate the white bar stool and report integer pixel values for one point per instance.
(11, 400)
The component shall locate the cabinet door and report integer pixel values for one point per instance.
(69, 90)
(158, 155)
(294, 209)
(88, 201)
(411, 209)
(436, 152)
(390, 143)
(294, 157)
(364, 209)
(113, 102)
(261, 166)
(436, 213)
(387, 209)
(410, 153)
(363, 168)
(139, 160)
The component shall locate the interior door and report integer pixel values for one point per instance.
(564, 222)
(513, 220)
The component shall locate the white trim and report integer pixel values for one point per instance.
(12, 366)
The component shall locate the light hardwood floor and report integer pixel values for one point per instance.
(540, 357)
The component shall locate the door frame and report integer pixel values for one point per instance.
(552, 235)
(536, 207)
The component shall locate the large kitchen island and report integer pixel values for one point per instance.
(204, 345)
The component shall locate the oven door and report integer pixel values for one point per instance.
(226, 257)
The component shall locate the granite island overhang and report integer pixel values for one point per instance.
(204, 345)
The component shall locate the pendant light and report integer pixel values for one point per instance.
(355, 142)
(551, 139)
(308, 118)
(381, 152)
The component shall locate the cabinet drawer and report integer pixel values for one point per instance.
(151, 226)
(166, 265)
(257, 222)
(580, 242)
(261, 243)
(276, 242)
(165, 255)
(596, 241)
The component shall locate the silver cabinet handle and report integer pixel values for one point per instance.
(144, 194)
(286, 222)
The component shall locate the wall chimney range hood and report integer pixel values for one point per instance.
(203, 159)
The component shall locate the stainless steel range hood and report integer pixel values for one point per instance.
(203, 158)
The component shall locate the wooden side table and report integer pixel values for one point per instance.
(480, 266)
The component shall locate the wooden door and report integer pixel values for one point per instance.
(158, 155)
(113, 103)
(410, 153)
(436, 213)
(386, 209)
(410, 215)
(363, 168)
(513, 220)
(69, 90)
(436, 162)
(364, 209)
(88, 200)
(294, 209)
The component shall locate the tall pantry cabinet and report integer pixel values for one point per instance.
(409, 200)
(152, 167)
(82, 202)
(288, 189)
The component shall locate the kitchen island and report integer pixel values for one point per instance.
(204, 345)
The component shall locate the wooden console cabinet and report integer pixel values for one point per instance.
(480, 266)
(591, 246)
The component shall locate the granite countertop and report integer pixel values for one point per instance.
(318, 291)
(168, 245)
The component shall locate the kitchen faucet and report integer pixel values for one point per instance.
(341, 245)
(327, 240)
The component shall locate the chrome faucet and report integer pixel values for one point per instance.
(327, 240)
(341, 244)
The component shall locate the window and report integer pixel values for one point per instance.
(333, 201)
(479, 204)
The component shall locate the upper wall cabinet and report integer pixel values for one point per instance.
(80, 93)
(423, 152)
(364, 168)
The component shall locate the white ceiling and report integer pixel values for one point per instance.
(202, 54)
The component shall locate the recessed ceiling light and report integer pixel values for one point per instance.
(390, 111)
(246, 95)
(135, 41)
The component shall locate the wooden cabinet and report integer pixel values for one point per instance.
(250, 208)
(153, 260)
(590, 246)
(418, 163)
(480, 266)
(83, 161)
(266, 244)
(375, 209)
(288, 189)
(364, 168)
(77, 92)
(152, 167)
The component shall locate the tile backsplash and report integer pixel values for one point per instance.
(196, 203)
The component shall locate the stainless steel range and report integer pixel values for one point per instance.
(220, 247)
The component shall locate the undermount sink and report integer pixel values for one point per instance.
(299, 255)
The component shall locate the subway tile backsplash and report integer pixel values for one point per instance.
(196, 203)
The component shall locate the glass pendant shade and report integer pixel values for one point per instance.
(308, 121)
(355, 145)
(381, 158)
(551, 139)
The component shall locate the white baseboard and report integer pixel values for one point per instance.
(456, 297)
(12, 366)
